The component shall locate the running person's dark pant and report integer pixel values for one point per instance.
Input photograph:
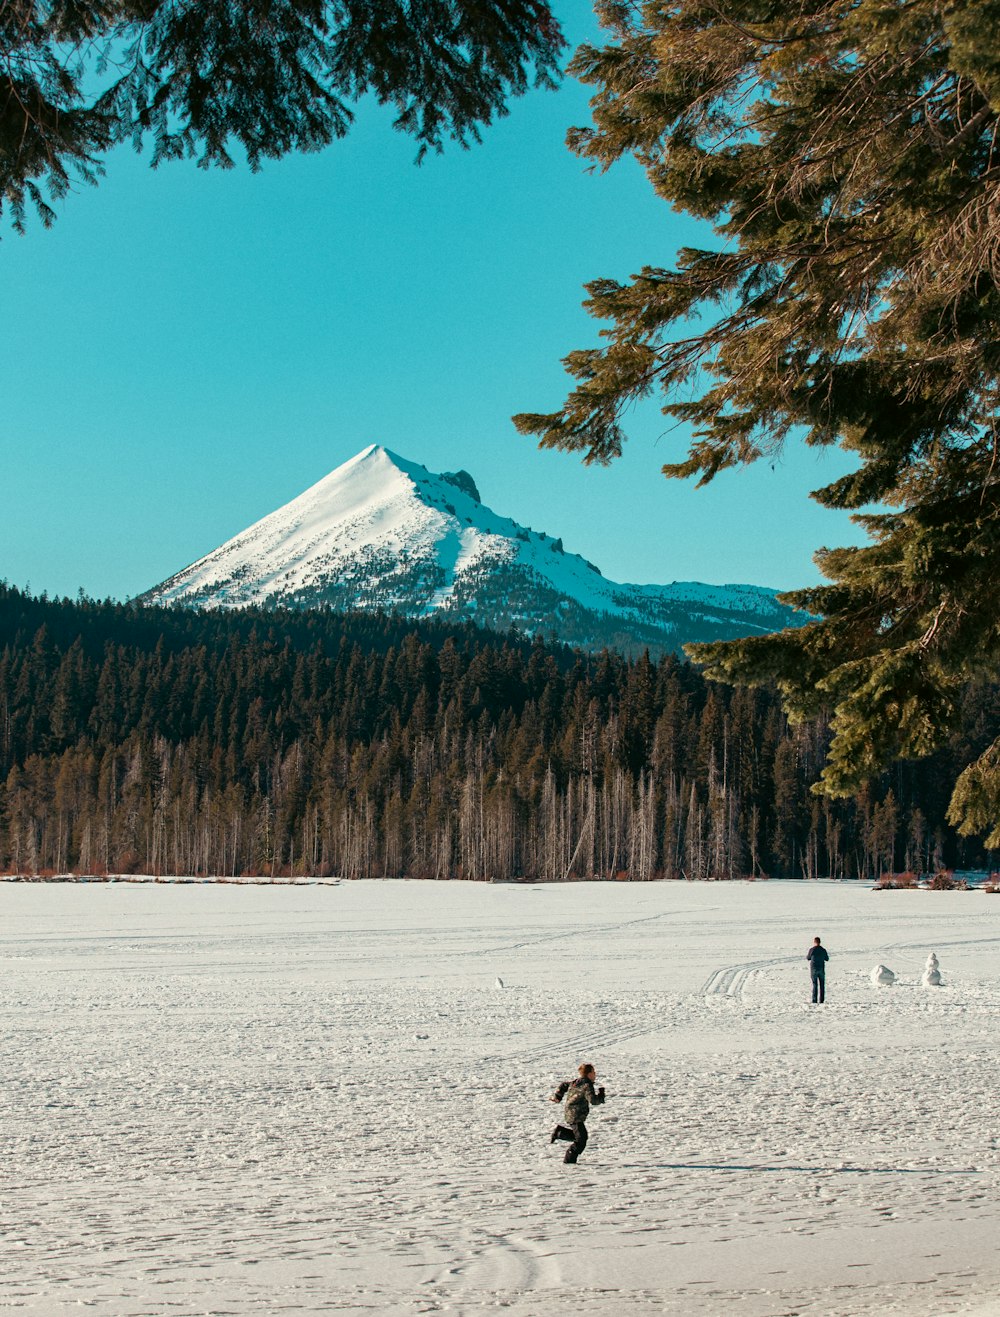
(819, 987)
(577, 1134)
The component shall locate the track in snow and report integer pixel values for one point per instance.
(730, 980)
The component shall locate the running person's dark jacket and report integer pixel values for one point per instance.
(580, 1096)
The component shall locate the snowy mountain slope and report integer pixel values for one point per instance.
(384, 532)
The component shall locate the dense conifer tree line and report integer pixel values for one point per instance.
(166, 741)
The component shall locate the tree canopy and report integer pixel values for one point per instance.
(846, 153)
(272, 76)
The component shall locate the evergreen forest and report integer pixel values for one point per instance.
(160, 741)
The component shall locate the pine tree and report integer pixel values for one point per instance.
(846, 152)
(273, 76)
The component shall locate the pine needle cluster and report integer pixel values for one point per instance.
(266, 77)
(846, 154)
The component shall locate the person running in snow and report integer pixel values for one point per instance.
(580, 1095)
(817, 956)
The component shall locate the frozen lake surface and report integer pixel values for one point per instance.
(243, 1100)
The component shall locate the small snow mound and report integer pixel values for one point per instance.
(883, 976)
(499, 983)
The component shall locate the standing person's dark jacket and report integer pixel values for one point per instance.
(817, 957)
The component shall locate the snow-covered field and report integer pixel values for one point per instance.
(244, 1099)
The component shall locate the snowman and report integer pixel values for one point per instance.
(932, 972)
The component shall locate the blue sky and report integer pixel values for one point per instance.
(187, 350)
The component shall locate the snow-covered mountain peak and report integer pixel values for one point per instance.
(381, 531)
(375, 476)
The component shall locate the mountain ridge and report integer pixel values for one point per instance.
(381, 531)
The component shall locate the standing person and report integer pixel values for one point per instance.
(817, 957)
(580, 1095)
